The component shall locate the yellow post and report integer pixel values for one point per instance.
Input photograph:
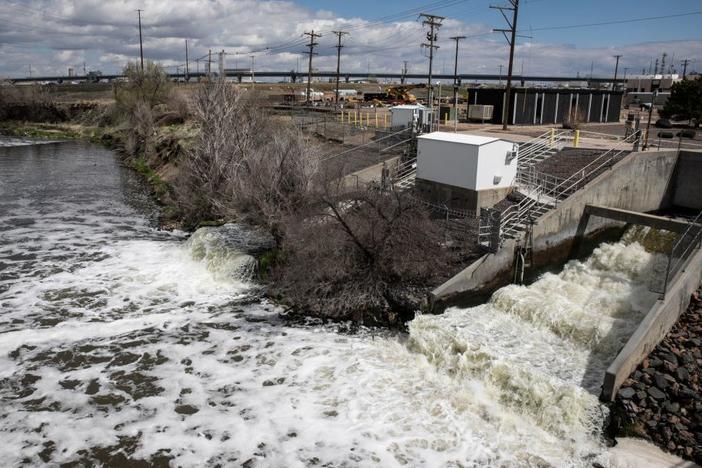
(355, 117)
(385, 120)
(376, 119)
(553, 136)
(576, 140)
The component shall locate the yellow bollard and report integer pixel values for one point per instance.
(385, 120)
(576, 139)
(553, 136)
(376, 120)
(355, 117)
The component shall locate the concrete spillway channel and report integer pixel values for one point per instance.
(640, 183)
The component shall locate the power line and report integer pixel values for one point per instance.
(606, 23)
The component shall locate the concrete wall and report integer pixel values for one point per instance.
(657, 323)
(369, 174)
(688, 180)
(459, 198)
(642, 181)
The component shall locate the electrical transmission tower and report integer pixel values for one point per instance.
(455, 82)
(311, 45)
(434, 23)
(511, 40)
(339, 46)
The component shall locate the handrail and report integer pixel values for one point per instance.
(672, 267)
(582, 171)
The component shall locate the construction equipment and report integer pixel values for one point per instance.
(400, 94)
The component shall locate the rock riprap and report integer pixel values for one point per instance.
(662, 400)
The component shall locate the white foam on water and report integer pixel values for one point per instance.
(499, 384)
(120, 340)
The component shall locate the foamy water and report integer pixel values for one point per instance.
(119, 342)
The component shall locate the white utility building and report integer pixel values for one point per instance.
(465, 171)
(403, 115)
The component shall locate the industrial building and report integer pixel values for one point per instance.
(536, 106)
(465, 171)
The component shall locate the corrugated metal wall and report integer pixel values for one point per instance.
(533, 106)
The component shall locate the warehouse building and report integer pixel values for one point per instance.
(539, 106)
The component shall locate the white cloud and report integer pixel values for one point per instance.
(55, 34)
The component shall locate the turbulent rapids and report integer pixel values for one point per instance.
(120, 342)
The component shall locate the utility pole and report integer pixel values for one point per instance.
(455, 83)
(511, 41)
(685, 63)
(253, 76)
(187, 68)
(616, 69)
(209, 63)
(83, 68)
(141, 44)
(30, 70)
(404, 72)
(434, 23)
(500, 67)
(311, 46)
(339, 46)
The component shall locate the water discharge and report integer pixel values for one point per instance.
(119, 341)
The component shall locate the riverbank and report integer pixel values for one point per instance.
(662, 400)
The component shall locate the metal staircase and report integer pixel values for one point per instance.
(542, 147)
(542, 193)
(404, 174)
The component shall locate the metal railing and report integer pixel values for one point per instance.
(576, 181)
(689, 241)
(537, 149)
(545, 190)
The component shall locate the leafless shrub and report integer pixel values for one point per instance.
(243, 164)
(149, 85)
(363, 255)
(142, 130)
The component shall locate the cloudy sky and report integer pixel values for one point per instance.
(565, 37)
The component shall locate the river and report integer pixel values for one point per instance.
(118, 344)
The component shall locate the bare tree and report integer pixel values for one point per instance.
(245, 164)
(365, 255)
